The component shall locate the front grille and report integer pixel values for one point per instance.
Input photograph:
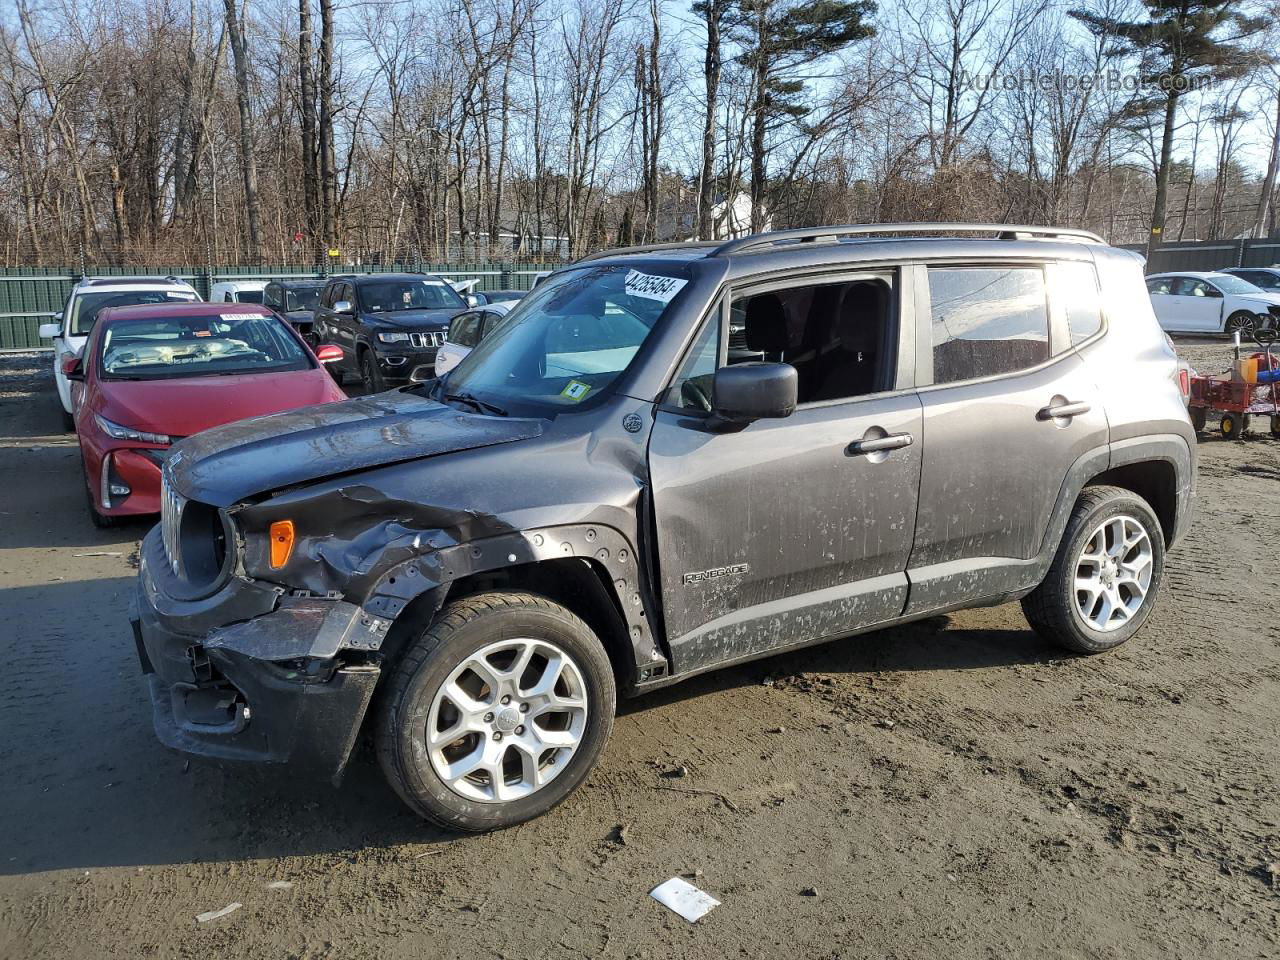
(172, 504)
(421, 340)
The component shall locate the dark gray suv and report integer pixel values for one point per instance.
(665, 461)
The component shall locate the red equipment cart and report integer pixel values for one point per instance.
(1237, 394)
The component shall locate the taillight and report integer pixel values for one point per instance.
(1184, 382)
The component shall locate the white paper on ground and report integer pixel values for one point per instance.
(217, 914)
(684, 898)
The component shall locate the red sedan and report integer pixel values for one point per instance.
(151, 375)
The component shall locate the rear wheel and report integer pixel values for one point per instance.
(496, 713)
(1104, 580)
(68, 422)
(1232, 426)
(1198, 417)
(1275, 425)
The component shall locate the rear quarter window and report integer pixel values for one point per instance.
(1076, 288)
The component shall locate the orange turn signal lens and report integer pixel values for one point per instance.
(281, 543)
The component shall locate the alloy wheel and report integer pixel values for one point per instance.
(1113, 573)
(507, 720)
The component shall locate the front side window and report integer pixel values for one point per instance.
(162, 348)
(566, 343)
(987, 321)
(85, 308)
(839, 336)
(390, 296)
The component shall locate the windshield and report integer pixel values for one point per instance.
(389, 296)
(1229, 284)
(167, 347)
(84, 308)
(301, 299)
(566, 343)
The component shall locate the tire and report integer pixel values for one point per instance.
(416, 702)
(1054, 608)
(68, 421)
(1275, 425)
(1198, 418)
(1241, 320)
(101, 521)
(370, 375)
(1232, 426)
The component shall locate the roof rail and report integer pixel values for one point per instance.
(649, 248)
(1005, 231)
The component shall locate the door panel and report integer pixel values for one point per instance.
(994, 463)
(779, 533)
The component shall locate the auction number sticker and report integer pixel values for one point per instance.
(575, 390)
(233, 317)
(653, 287)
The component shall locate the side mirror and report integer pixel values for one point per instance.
(473, 300)
(342, 306)
(754, 391)
(329, 353)
(72, 367)
(49, 331)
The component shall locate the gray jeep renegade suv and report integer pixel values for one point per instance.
(667, 460)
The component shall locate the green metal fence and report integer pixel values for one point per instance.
(30, 296)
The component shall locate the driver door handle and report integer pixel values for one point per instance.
(894, 441)
(1057, 411)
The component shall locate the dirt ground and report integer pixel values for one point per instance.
(951, 789)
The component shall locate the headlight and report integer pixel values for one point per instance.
(128, 433)
(394, 337)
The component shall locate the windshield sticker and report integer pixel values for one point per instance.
(653, 287)
(233, 317)
(575, 390)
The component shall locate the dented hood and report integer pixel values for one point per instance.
(230, 463)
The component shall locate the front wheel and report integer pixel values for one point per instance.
(496, 713)
(1232, 426)
(1104, 579)
(370, 375)
(1198, 417)
(1241, 320)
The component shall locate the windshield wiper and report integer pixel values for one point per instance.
(480, 405)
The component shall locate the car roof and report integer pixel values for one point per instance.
(1270, 269)
(1194, 274)
(362, 277)
(298, 282)
(145, 311)
(785, 250)
(239, 284)
(144, 282)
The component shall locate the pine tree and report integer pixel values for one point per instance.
(1181, 45)
(778, 38)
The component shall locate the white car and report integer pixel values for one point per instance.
(71, 327)
(465, 331)
(1199, 302)
(237, 291)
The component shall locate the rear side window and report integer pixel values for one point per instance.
(1077, 290)
(987, 321)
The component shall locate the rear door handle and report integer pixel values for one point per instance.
(1059, 410)
(894, 441)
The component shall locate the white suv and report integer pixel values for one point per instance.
(71, 327)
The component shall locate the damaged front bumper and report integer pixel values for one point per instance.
(251, 674)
